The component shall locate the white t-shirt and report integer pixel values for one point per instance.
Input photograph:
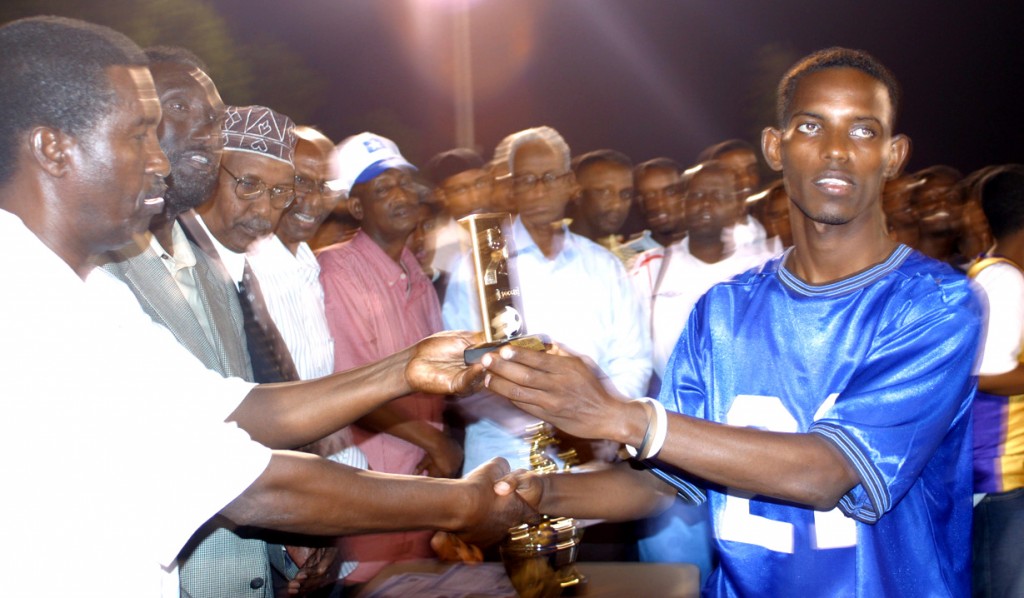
(113, 438)
(683, 280)
(1004, 327)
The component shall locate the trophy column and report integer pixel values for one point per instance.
(497, 287)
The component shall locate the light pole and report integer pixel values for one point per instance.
(464, 133)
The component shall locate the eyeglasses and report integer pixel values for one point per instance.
(385, 188)
(606, 193)
(526, 182)
(251, 188)
(481, 184)
(306, 186)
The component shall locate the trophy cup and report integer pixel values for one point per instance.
(540, 558)
(496, 286)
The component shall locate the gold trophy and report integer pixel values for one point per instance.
(540, 558)
(497, 288)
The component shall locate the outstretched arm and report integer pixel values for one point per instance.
(563, 390)
(614, 493)
(305, 494)
(294, 414)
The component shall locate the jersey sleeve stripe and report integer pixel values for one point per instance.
(684, 489)
(877, 492)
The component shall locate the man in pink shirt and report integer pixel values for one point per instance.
(378, 300)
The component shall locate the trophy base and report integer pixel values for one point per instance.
(537, 342)
(540, 559)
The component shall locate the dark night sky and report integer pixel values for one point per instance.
(649, 77)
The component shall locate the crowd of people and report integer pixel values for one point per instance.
(226, 347)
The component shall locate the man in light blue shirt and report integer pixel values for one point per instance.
(573, 290)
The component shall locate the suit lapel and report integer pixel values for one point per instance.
(160, 295)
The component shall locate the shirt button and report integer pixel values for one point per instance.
(256, 583)
(402, 276)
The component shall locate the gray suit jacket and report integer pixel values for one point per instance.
(160, 297)
(217, 563)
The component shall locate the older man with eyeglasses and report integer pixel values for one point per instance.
(377, 301)
(573, 290)
(255, 186)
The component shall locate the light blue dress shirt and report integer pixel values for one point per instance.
(583, 300)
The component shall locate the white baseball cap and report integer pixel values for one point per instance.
(361, 158)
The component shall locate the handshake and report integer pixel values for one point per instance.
(501, 499)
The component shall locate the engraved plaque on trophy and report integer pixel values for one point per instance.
(497, 287)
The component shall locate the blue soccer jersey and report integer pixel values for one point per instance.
(880, 364)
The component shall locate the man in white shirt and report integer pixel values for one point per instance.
(660, 188)
(463, 185)
(286, 267)
(707, 256)
(80, 173)
(690, 267)
(999, 403)
(741, 157)
(289, 278)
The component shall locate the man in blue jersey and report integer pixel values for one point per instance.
(821, 401)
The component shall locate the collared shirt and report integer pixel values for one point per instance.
(182, 265)
(374, 308)
(374, 305)
(582, 298)
(106, 420)
(291, 289)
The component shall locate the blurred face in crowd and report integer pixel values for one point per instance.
(387, 206)
(252, 192)
(189, 133)
(744, 164)
(606, 193)
(900, 217)
(314, 199)
(710, 203)
(776, 216)
(502, 199)
(936, 205)
(541, 184)
(976, 237)
(837, 148)
(660, 191)
(421, 241)
(468, 192)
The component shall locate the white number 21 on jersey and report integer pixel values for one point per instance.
(832, 529)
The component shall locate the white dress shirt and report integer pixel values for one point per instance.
(293, 295)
